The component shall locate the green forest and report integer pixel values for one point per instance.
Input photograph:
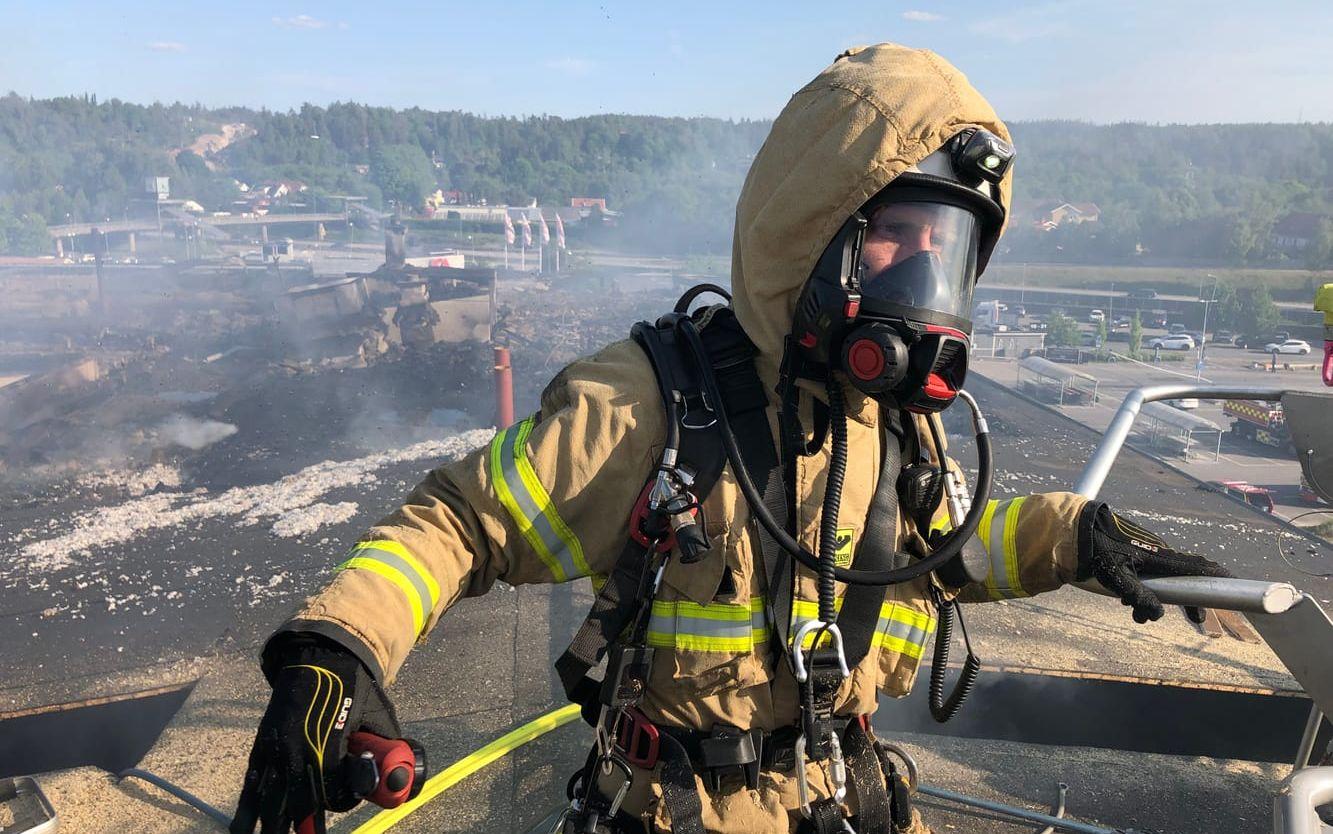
(1200, 194)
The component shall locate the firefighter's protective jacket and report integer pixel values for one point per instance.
(549, 499)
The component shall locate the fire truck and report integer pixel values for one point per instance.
(1258, 421)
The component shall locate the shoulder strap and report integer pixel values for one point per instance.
(732, 355)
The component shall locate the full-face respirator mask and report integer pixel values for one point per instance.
(889, 302)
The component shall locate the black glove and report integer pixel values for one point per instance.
(321, 695)
(1117, 552)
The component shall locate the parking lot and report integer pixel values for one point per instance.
(1240, 459)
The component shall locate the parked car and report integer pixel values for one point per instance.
(1018, 309)
(1178, 341)
(1158, 319)
(1255, 496)
(1224, 336)
(1298, 346)
(1143, 292)
(1096, 316)
(1121, 321)
(1175, 328)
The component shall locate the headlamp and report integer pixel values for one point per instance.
(980, 156)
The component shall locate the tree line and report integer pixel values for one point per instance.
(1206, 193)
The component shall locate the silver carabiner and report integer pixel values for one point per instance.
(802, 786)
(798, 656)
(609, 762)
(837, 768)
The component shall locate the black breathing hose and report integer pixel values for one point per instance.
(828, 520)
(948, 549)
(941, 708)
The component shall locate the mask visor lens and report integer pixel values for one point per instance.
(921, 255)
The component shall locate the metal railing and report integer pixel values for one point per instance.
(1292, 623)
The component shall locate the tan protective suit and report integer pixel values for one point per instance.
(550, 499)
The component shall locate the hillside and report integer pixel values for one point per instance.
(1204, 194)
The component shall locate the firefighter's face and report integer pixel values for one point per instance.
(898, 231)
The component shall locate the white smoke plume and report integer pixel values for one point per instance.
(192, 433)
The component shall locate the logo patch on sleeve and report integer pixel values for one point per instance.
(846, 546)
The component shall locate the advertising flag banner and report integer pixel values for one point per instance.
(546, 232)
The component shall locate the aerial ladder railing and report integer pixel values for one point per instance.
(1290, 621)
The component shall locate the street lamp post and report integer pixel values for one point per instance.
(1203, 334)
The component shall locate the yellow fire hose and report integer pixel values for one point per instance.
(470, 764)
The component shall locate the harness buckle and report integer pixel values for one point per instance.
(798, 655)
(692, 402)
(627, 670)
(638, 738)
(730, 748)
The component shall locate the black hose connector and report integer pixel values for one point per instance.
(828, 521)
(941, 708)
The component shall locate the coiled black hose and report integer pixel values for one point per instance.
(941, 708)
(828, 522)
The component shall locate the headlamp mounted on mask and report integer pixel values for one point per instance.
(889, 301)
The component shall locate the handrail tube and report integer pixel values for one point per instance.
(1249, 596)
(1099, 465)
(1294, 807)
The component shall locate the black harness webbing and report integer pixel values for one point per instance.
(861, 603)
(701, 451)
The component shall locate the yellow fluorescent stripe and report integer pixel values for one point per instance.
(899, 645)
(908, 616)
(983, 533)
(729, 613)
(1011, 547)
(516, 512)
(404, 584)
(700, 643)
(543, 499)
(942, 524)
(390, 546)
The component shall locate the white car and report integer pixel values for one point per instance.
(1289, 346)
(1096, 316)
(1180, 341)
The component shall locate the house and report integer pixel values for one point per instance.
(1295, 231)
(1052, 215)
(588, 203)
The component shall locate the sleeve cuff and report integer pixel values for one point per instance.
(328, 630)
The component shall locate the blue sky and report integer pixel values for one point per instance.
(1099, 60)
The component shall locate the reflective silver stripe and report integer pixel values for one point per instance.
(1002, 551)
(716, 627)
(904, 630)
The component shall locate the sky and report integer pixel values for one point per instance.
(1095, 60)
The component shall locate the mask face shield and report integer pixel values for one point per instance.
(921, 257)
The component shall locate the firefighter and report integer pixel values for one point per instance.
(862, 226)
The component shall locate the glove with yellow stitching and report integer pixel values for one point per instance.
(1117, 552)
(321, 695)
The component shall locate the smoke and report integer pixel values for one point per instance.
(192, 433)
